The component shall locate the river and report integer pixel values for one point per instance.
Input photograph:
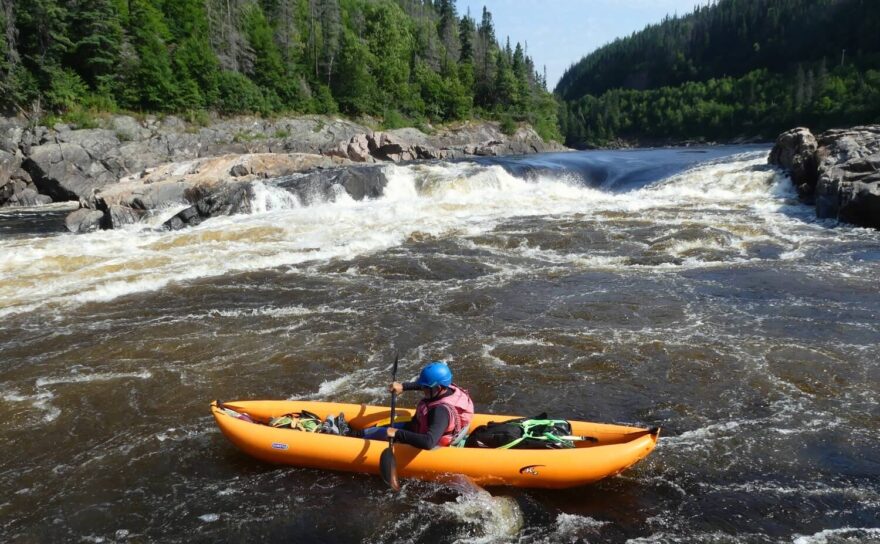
(685, 288)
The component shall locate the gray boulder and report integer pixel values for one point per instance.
(127, 128)
(225, 199)
(189, 217)
(358, 148)
(84, 220)
(848, 187)
(358, 181)
(388, 146)
(795, 152)
(239, 170)
(28, 197)
(9, 163)
(16, 186)
(11, 133)
(7, 189)
(839, 171)
(96, 142)
(65, 171)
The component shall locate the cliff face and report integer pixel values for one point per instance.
(42, 164)
(839, 171)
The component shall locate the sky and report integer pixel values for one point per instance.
(561, 32)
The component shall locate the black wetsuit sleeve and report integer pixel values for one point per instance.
(411, 386)
(438, 421)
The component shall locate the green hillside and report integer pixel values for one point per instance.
(732, 68)
(403, 61)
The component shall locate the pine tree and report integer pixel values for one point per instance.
(354, 92)
(390, 45)
(799, 92)
(505, 89)
(466, 31)
(484, 51)
(43, 38)
(227, 39)
(96, 31)
(448, 28)
(282, 14)
(150, 81)
(331, 33)
(268, 70)
(5, 25)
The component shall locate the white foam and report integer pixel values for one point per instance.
(278, 312)
(40, 401)
(353, 382)
(572, 527)
(486, 352)
(496, 519)
(718, 537)
(442, 199)
(845, 534)
(862, 495)
(269, 197)
(99, 377)
(704, 433)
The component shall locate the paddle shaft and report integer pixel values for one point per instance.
(387, 463)
(393, 399)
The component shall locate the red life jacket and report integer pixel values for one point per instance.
(460, 408)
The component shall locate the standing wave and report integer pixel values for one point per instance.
(441, 199)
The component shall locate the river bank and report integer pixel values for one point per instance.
(40, 164)
(128, 170)
(838, 172)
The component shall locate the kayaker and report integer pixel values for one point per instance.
(442, 417)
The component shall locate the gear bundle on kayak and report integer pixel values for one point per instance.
(588, 453)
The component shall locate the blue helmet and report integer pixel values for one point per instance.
(436, 373)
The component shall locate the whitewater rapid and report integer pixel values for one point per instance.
(439, 200)
(686, 289)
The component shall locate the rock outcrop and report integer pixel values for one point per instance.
(40, 164)
(16, 185)
(203, 187)
(795, 151)
(410, 144)
(839, 171)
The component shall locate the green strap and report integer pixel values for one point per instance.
(527, 427)
(514, 443)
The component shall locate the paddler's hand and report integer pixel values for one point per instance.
(391, 432)
(396, 387)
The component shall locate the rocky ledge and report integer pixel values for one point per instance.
(197, 189)
(838, 172)
(128, 168)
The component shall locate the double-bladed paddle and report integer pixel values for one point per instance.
(387, 463)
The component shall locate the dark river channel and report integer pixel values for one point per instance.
(685, 288)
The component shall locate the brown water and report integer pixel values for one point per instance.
(687, 290)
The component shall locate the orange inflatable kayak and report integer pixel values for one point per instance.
(616, 447)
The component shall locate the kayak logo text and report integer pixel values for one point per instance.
(279, 446)
(530, 469)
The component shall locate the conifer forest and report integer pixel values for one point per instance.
(730, 69)
(402, 61)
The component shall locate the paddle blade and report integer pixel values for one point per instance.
(388, 468)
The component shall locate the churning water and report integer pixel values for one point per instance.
(681, 288)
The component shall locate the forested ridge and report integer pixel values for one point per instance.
(402, 61)
(729, 69)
